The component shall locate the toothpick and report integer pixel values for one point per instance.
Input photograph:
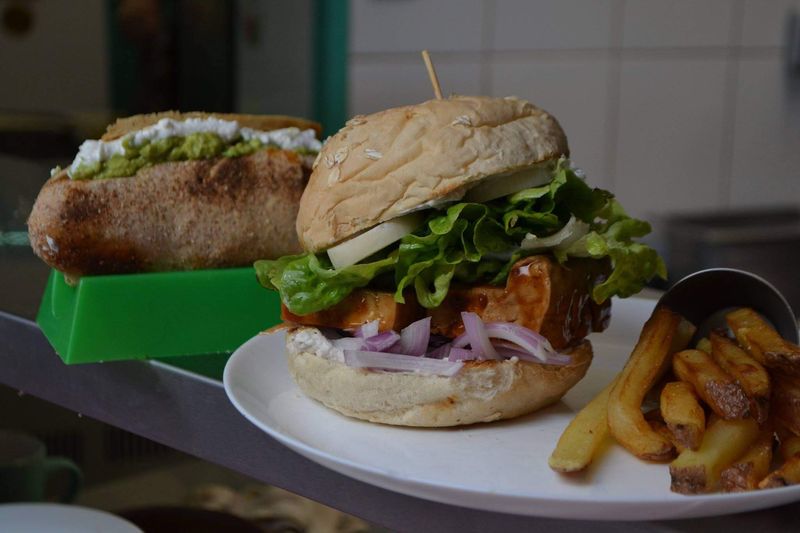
(437, 90)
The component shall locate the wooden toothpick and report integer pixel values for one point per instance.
(437, 90)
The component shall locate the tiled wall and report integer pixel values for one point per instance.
(679, 105)
(61, 64)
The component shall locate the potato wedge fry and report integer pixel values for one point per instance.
(790, 446)
(664, 333)
(581, 439)
(747, 471)
(661, 428)
(763, 342)
(724, 441)
(785, 402)
(750, 374)
(719, 390)
(787, 474)
(683, 414)
(704, 345)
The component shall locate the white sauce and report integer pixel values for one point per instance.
(92, 151)
(313, 341)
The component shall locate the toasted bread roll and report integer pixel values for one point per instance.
(186, 215)
(126, 125)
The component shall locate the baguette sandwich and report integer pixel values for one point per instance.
(176, 191)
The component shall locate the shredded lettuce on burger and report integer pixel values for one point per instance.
(479, 243)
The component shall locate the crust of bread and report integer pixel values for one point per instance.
(381, 166)
(482, 391)
(126, 125)
(214, 213)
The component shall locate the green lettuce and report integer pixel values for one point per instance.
(308, 283)
(479, 243)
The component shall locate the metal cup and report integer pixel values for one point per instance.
(706, 296)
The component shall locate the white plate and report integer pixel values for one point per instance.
(58, 518)
(500, 466)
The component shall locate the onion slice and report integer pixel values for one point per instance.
(478, 338)
(382, 341)
(404, 363)
(365, 331)
(348, 343)
(364, 245)
(461, 354)
(527, 340)
(414, 338)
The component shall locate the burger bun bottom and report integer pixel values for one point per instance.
(482, 391)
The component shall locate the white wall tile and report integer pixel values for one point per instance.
(575, 92)
(677, 23)
(670, 135)
(764, 22)
(412, 25)
(552, 24)
(378, 85)
(766, 155)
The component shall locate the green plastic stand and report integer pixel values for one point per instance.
(160, 315)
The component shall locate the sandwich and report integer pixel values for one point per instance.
(176, 191)
(455, 262)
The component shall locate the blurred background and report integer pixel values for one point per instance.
(689, 110)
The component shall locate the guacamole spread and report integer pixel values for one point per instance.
(202, 145)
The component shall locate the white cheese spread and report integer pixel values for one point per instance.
(312, 340)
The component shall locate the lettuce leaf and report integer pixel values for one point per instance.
(479, 243)
(308, 283)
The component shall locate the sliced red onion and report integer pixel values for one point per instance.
(381, 342)
(414, 337)
(509, 350)
(365, 331)
(527, 340)
(478, 337)
(404, 363)
(461, 354)
(348, 343)
(441, 352)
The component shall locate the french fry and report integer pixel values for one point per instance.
(581, 439)
(663, 334)
(724, 441)
(683, 414)
(787, 474)
(750, 374)
(785, 402)
(789, 446)
(763, 342)
(704, 345)
(719, 390)
(747, 471)
(661, 428)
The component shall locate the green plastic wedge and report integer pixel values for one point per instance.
(159, 315)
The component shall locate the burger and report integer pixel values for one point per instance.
(455, 262)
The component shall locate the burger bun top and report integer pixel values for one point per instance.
(382, 166)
